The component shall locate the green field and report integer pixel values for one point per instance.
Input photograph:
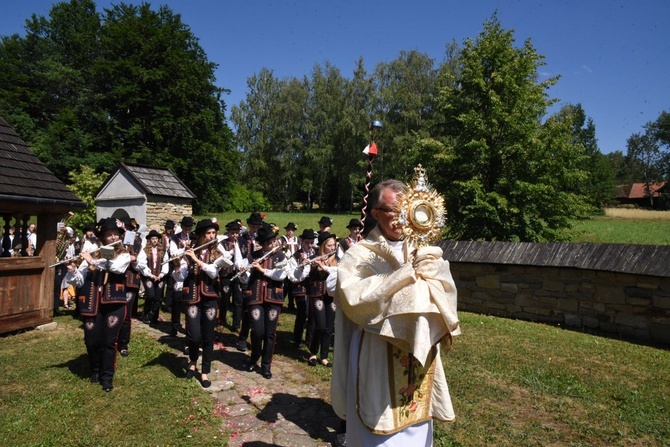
(513, 383)
(599, 229)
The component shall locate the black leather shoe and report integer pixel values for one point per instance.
(95, 377)
(206, 383)
(107, 386)
(190, 373)
(267, 375)
(249, 366)
(241, 345)
(340, 440)
(124, 352)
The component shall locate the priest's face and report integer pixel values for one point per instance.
(384, 215)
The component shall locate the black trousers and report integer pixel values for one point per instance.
(101, 333)
(263, 319)
(244, 331)
(176, 308)
(200, 325)
(300, 318)
(59, 274)
(131, 303)
(322, 316)
(232, 300)
(153, 297)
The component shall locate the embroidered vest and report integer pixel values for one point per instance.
(262, 289)
(95, 292)
(198, 285)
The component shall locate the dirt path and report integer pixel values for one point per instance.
(288, 410)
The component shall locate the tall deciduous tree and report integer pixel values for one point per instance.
(131, 84)
(510, 177)
(599, 188)
(406, 88)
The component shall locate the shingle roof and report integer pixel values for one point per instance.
(638, 190)
(158, 181)
(24, 176)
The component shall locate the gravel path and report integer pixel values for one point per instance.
(288, 410)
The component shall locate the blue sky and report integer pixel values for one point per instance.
(613, 56)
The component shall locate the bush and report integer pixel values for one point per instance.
(244, 200)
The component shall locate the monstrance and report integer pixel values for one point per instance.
(419, 210)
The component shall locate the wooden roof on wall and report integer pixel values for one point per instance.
(154, 180)
(24, 178)
(652, 260)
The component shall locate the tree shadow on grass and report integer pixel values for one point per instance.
(314, 416)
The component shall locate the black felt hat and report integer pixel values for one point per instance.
(290, 226)
(323, 237)
(109, 223)
(325, 221)
(255, 219)
(308, 233)
(233, 226)
(354, 223)
(186, 221)
(204, 225)
(169, 223)
(265, 233)
(153, 233)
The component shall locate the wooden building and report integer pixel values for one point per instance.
(29, 193)
(149, 194)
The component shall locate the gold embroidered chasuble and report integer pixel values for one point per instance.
(405, 315)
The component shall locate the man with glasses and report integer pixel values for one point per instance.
(396, 308)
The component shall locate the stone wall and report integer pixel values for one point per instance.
(158, 212)
(500, 279)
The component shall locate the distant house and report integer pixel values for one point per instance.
(637, 194)
(149, 194)
(29, 194)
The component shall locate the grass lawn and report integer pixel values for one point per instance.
(512, 383)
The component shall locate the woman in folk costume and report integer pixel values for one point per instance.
(298, 268)
(199, 271)
(264, 296)
(102, 299)
(320, 275)
(354, 236)
(154, 272)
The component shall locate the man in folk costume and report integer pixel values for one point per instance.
(166, 240)
(265, 298)
(396, 306)
(298, 267)
(153, 260)
(179, 242)
(133, 281)
(231, 293)
(248, 244)
(289, 243)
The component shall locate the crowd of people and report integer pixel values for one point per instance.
(202, 276)
(385, 308)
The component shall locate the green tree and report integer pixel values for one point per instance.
(509, 177)
(256, 121)
(406, 88)
(131, 84)
(85, 182)
(599, 187)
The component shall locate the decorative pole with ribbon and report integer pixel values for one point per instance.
(371, 151)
